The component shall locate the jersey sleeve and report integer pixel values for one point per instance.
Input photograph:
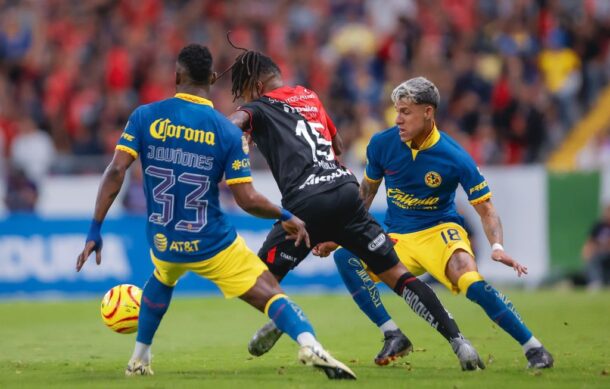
(252, 112)
(473, 181)
(373, 171)
(237, 168)
(130, 140)
(330, 125)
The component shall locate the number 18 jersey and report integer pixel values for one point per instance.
(186, 147)
(293, 132)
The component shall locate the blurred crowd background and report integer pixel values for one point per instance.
(514, 75)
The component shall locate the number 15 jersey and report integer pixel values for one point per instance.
(293, 132)
(186, 147)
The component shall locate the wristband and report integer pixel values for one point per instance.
(94, 233)
(497, 246)
(285, 215)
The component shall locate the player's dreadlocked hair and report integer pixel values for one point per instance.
(248, 68)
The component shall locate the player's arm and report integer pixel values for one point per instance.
(111, 184)
(253, 202)
(492, 226)
(241, 119)
(368, 191)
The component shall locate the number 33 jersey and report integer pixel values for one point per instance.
(293, 132)
(186, 147)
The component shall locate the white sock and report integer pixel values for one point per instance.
(530, 344)
(141, 352)
(307, 339)
(388, 326)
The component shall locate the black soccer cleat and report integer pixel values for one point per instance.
(539, 358)
(395, 345)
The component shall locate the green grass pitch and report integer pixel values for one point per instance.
(202, 343)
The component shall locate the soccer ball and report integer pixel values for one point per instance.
(121, 307)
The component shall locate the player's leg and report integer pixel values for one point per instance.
(363, 236)
(280, 255)
(365, 293)
(267, 296)
(462, 271)
(156, 297)
(239, 273)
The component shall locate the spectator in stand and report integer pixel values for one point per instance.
(32, 150)
(596, 252)
(21, 192)
(486, 55)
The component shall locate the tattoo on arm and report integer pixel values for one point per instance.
(492, 225)
(368, 190)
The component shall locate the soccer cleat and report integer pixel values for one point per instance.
(395, 345)
(321, 359)
(539, 358)
(466, 353)
(137, 367)
(264, 339)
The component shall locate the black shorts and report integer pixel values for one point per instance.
(339, 216)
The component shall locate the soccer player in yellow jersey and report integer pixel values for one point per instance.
(422, 168)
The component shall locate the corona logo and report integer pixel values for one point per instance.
(164, 128)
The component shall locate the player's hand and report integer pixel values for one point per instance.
(90, 246)
(324, 249)
(295, 228)
(502, 257)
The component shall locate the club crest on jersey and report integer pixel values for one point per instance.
(160, 241)
(433, 179)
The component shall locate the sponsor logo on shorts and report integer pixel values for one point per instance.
(377, 242)
(288, 257)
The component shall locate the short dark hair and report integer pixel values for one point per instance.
(248, 69)
(197, 60)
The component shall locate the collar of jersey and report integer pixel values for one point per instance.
(430, 141)
(194, 99)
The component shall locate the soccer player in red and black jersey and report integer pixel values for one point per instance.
(299, 141)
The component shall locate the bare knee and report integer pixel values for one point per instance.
(460, 262)
(264, 289)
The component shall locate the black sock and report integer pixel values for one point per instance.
(423, 301)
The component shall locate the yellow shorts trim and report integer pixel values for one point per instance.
(272, 300)
(128, 150)
(428, 251)
(234, 270)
